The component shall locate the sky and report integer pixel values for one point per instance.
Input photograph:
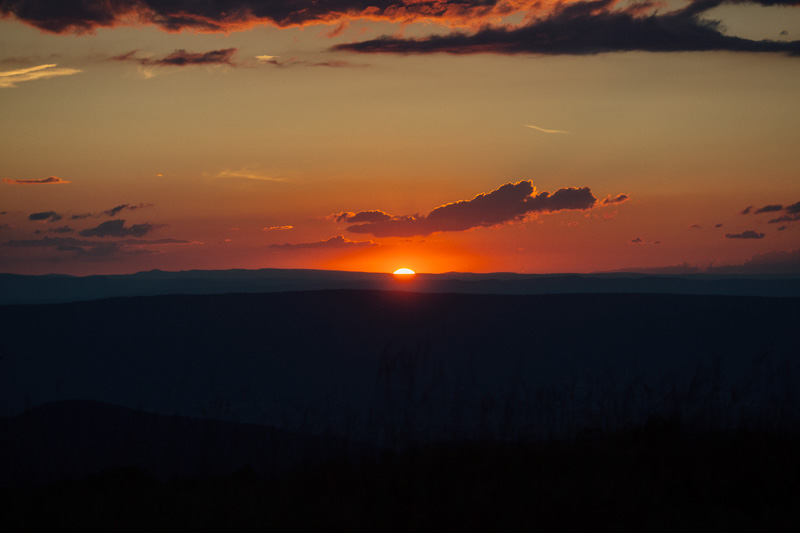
(473, 135)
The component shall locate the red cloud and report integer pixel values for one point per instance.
(232, 15)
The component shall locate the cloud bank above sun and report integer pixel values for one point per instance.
(509, 203)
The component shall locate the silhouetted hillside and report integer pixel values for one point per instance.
(403, 365)
(17, 289)
(201, 407)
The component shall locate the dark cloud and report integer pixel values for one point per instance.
(62, 229)
(114, 210)
(116, 228)
(59, 16)
(616, 200)
(717, 225)
(637, 240)
(303, 63)
(334, 243)
(585, 28)
(363, 216)
(509, 203)
(110, 212)
(50, 216)
(45, 181)
(769, 209)
(785, 218)
(749, 234)
(746, 210)
(182, 58)
(792, 214)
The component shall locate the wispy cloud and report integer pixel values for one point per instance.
(111, 212)
(543, 130)
(334, 243)
(82, 249)
(182, 58)
(132, 207)
(10, 78)
(277, 228)
(294, 62)
(246, 175)
(52, 180)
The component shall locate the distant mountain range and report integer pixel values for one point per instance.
(20, 289)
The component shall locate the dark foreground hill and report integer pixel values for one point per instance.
(394, 366)
(566, 411)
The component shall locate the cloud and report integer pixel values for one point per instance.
(50, 216)
(10, 78)
(110, 212)
(116, 228)
(511, 202)
(334, 243)
(44, 181)
(537, 128)
(363, 216)
(586, 28)
(637, 240)
(62, 229)
(277, 228)
(114, 210)
(769, 209)
(294, 62)
(749, 234)
(616, 200)
(792, 214)
(234, 15)
(245, 175)
(182, 58)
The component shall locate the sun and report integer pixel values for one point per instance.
(404, 272)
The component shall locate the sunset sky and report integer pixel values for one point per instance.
(474, 135)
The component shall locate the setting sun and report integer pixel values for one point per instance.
(403, 272)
